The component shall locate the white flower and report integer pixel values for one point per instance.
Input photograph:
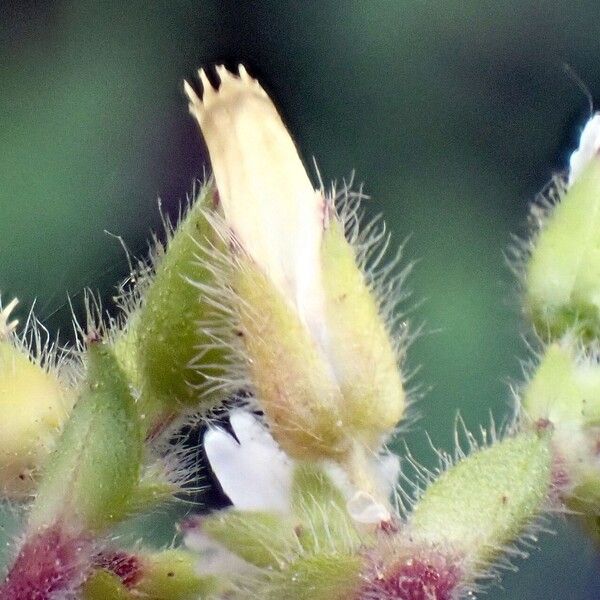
(589, 147)
(256, 475)
(252, 470)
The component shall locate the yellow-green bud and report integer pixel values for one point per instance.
(318, 352)
(562, 274)
(34, 404)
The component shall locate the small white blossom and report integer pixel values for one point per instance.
(252, 470)
(256, 475)
(589, 147)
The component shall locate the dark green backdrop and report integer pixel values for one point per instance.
(453, 113)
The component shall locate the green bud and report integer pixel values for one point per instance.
(102, 585)
(483, 502)
(90, 478)
(361, 350)
(166, 575)
(172, 574)
(565, 387)
(562, 275)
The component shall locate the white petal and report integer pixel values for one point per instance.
(255, 473)
(589, 147)
(363, 508)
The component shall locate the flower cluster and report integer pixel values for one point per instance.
(274, 303)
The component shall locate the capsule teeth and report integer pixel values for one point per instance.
(243, 74)
(223, 74)
(191, 93)
(207, 87)
(230, 85)
(7, 326)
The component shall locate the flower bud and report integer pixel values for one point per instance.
(564, 395)
(562, 274)
(318, 352)
(35, 405)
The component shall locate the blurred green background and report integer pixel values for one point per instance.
(453, 113)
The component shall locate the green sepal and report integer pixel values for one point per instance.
(321, 510)
(264, 539)
(166, 575)
(584, 497)
(321, 576)
(172, 574)
(563, 389)
(34, 404)
(150, 493)
(91, 475)
(483, 502)
(160, 346)
(565, 392)
(360, 346)
(301, 401)
(591, 525)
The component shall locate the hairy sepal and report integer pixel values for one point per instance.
(90, 478)
(485, 501)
